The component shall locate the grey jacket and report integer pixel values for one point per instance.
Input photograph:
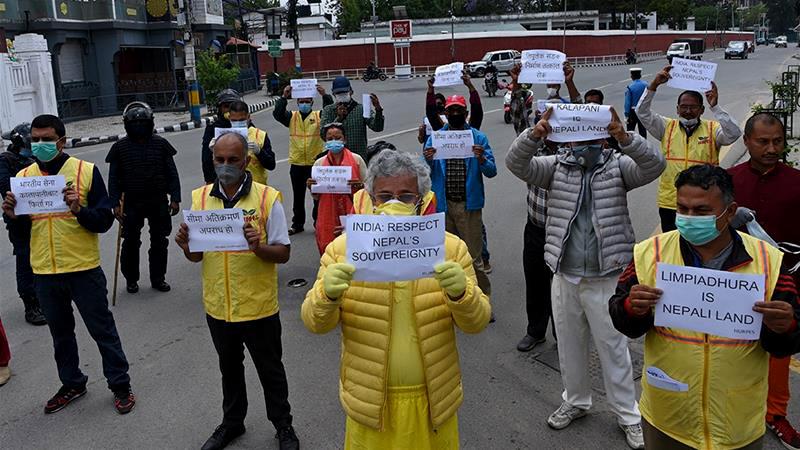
(640, 163)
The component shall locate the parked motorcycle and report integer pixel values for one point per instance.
(373, 74)
(490, 84)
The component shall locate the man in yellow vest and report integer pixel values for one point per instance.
(701, 390)
(305, 144)
(687, 140)
(240, 293)
(65, 257)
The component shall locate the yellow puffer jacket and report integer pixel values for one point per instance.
(365, 311)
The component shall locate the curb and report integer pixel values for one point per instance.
(183, 126)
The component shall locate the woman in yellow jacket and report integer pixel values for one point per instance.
(399, 383)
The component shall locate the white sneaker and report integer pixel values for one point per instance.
(564, 416)
(634, 435)
(5, 374)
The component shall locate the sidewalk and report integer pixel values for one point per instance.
(109, 129)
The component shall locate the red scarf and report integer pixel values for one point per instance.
(331, 206)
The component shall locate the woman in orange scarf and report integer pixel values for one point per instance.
(331, 206)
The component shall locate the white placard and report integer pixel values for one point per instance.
(217, 230)
(39, 195)
(366, 105)
(220, 131)
(452, 144)
(304, 87)
(691, 75)
(542, 67)
(709, 301)
(541, 105)
(394, 248)
(331, 179)
(575, 122)
(449, 74)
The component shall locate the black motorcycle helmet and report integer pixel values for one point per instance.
(20, 137)
(138, 119)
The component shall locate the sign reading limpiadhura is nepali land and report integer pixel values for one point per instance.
(709, 301)
(392, 248)
(573, 122)
(39, 195)
(216, 230)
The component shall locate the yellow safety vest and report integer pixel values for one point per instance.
(260, 174)
(725, 405)
(682, 152)
(239, 286)
(362, 202)
(59, 244)
(305, 142)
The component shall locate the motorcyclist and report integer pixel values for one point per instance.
(630, 57)
(490, 77)
(16, 157)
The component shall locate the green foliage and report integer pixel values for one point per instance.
(671, 12)
(215, 73)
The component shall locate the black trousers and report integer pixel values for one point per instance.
(263, 340)
(20, 238)
(537, 281)
(299, 175)
(634, 122)
(87, 290)
(667, 219)
(156, 212)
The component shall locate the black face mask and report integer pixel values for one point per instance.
(456, 120)
(139, 130)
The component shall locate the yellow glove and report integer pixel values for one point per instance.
(451, 278)
(337, 279)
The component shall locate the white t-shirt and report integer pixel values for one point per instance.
(277, 230)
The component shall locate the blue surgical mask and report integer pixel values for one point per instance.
(304, 108)
(44, 151)
(238, 124)
(698, 230)
(334, 146)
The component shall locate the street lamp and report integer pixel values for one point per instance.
(564, 36)
(452, 32)
(374, 33)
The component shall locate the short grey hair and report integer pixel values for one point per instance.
(236, 137)
(390, 163)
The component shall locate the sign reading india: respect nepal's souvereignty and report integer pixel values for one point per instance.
(709, 301)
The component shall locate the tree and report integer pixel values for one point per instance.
(671, 12)
(215, 73)
(782, 15)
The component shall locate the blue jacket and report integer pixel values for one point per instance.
(475, 173)
(633, 93)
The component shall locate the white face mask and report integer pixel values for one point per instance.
(342, 98)
(238, 124)
(689, 122)
(552, 92)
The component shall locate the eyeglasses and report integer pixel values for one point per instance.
(404, 198)
(689, 107)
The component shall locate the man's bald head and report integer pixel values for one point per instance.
(231, 142)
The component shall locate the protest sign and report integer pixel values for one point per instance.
(542, 67)
(220, 131)
(331, 179)
(39, 195)
(394, 248)
(691, 75)
(541, 105)
(709, 301)
(574, 122)
(304, 87)
(217, 230)
(449, 74)
(452, 144)
(366, 105)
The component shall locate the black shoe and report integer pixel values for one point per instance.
(124, 400)
(132, 288)
(295, 230)
(34, 316)
(223, 436)
(63, 397)
(287, 440)
(529, 342)
(161, 286)
(491, 318)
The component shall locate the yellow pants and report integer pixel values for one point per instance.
(407, 426)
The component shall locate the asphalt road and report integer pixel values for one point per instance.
(508, 395)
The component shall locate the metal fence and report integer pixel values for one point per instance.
(107, 105)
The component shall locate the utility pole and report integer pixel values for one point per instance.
(452, 32)
(190, 70)
(564, 36)
(291, 19)
(635, 24)
(374, 34)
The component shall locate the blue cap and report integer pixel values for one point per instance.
(340, 85)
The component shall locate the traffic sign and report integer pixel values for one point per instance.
(276, 54)
(274, 45)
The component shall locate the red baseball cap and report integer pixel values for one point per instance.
(455, 100)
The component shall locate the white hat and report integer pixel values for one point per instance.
(636, 69)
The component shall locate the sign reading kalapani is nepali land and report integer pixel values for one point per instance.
(39, 195)
(709, 301)
(573, 122)
(542, 67)
(393, 248)
(217, 230)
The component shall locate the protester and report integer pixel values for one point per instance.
(5, 356)
(426, 128)
(687, 140)
(141, 174)
(633, 93)
(332, 206)
(434, 107)
(65, 257)
(305, 143)
(14, 159)
(458, 185)
(400, 383)
(554, 90)
(240, 293)
(723, 401)
(589, 241)
(772, 189)
(350, 114)
(221, 120)
(259, 147)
